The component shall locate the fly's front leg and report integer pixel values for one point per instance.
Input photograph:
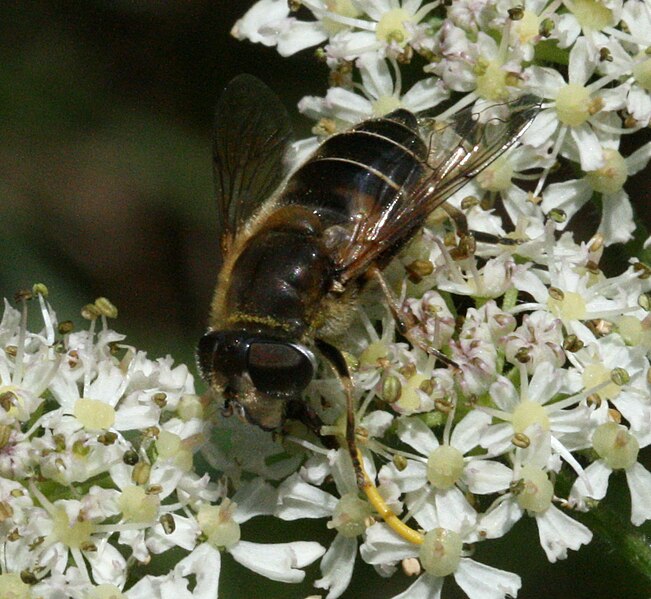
(406, 323)
(364, 482)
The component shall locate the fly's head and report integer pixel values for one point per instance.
(257, 375)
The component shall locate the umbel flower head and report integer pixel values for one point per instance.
(549, 393)
(542, 402)
(96, 470)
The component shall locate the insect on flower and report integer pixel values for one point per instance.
(297, 251)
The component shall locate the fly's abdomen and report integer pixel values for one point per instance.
(278, 281)
(371, 163)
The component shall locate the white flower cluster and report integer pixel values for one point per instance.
(96, 472)
(551, 388)
(548, 396)
(587, 59)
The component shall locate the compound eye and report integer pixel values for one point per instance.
(221, 355)
(279, 367)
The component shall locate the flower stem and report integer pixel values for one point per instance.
(629, 542)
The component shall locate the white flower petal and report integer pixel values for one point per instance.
(480, 581)
(568, 196)
(640, 158)
(204, 564)
(425, 94)
(558, 533)
(589, 147)
(617, 224)
(131, 418)
(425, 587)
(108, 565)
(337, 566)
(545, 383)
(297, 499)
(415, 433)
(383, 546)
(256, 498)
(581, 64)
(184, 535)
(277, 561)
(639, 484)
(377, 422)
(348, 106)
(376, 77)
(497, 438)
(487, 476)
(300, 35)
(499, 520)
(638, 103)
(542, 129)
(259, 22)
(544, 82)
(446, 509)
(410, 478)
(465, 435)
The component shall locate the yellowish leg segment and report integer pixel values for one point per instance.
(364, 481)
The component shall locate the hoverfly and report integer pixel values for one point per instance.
(297, 251)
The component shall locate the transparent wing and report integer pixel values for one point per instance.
(251, 132)
(457, 151)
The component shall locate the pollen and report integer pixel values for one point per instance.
(444, 467)
(642, 74)
(350, 516)
(492, 83)
(527, 413)
(537, 490)
(610, 178)
(391, 27)
(596, 374)
(591, 14)
(216, 522)
(73, 535)
(528, 27)
(440, 552)
(497, 177)
(569, 306)
(93, 414)
(615, 445)
(137, 506)
(573, 105)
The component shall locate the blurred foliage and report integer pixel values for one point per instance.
(105, 189)
(106, 182)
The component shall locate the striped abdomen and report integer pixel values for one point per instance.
(366, 166)
(286, 268)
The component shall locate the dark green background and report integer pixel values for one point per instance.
(105, 189)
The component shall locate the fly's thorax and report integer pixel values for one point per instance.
(279, 279)
(276, 273)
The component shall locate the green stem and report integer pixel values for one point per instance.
(629, 543)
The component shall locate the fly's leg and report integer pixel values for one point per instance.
(364, 482)
(300, 410)
(405, 322)
(468, 238)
